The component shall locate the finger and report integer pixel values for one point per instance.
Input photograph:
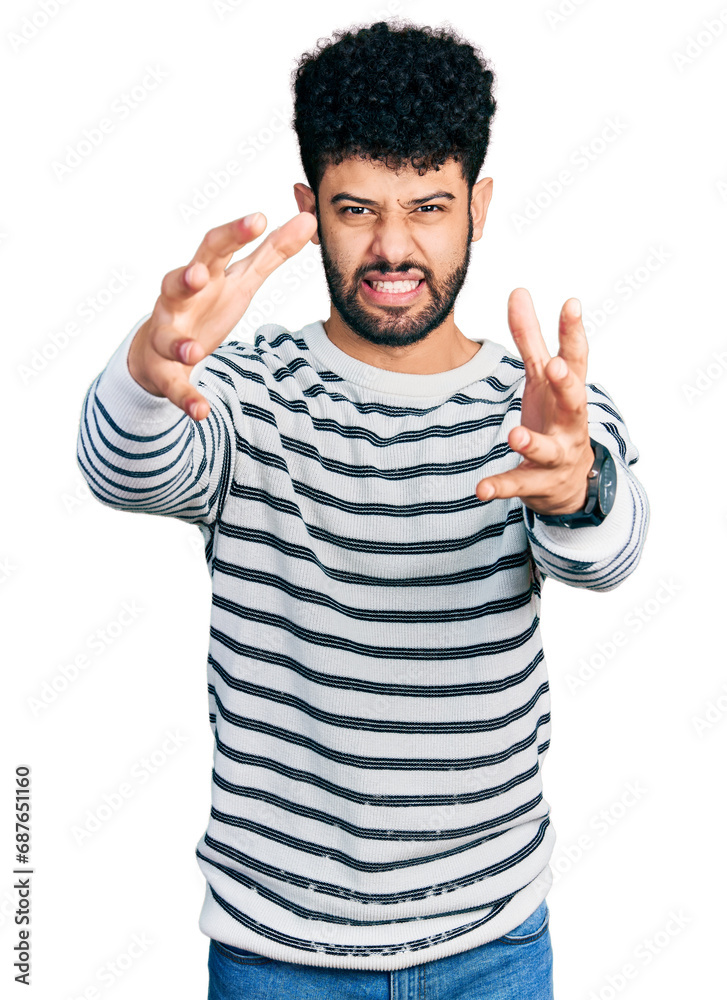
(176, 387)
(526, 332)
(543, 449)
(219, 244)
(569, 392)
(572, 338)
(180, 285)
(165, 343)
(275, 249)
(523, 481)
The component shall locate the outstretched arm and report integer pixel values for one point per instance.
(152, 437)
(560, 414)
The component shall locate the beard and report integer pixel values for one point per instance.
(393, 326)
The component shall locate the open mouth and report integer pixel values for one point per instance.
(401, 291)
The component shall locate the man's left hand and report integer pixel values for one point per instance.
(553, 437)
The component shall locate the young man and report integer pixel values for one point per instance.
(381, 497)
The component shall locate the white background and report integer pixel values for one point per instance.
(652, 203)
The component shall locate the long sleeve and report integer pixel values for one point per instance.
(600, 556)
(141, 452)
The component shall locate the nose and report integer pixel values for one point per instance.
(392, 241)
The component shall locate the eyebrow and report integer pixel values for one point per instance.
(344, 196)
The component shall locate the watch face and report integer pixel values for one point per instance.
(607, 485)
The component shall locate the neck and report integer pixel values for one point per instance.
(444, 348)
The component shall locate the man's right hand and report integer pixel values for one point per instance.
(202, 302)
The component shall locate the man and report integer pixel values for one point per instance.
(381, 497)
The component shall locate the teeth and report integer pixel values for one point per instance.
(395, 286)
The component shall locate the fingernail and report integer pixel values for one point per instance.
(193, 409)
(251, 220)
(559, 367)
(184, 351)
(575, 308)
(486, 492)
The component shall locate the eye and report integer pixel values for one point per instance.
(360, 209)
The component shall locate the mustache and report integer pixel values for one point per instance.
(402, 274)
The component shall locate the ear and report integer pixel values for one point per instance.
(306, 201)
(481, 195)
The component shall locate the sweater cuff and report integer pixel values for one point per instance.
(592, 542)
(130, 402)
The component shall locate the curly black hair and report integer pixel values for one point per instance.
(401, 94)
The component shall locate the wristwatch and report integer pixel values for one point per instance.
(599, 498)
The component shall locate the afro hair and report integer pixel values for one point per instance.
(396, 94)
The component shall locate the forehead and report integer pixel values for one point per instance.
(373, 179)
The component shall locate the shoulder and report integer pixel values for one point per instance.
(607, 423)
(272, 347)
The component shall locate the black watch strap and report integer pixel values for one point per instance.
(599, 498)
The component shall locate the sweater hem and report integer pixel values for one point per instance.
(218, 925)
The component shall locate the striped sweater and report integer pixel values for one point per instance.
(378, 692)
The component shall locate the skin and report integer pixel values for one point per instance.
(431, 238)
(201, 302)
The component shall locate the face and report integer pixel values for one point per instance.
(395, 245)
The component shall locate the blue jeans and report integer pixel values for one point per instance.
(516, 966)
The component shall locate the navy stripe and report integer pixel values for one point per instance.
(364, 684)
(364, 724)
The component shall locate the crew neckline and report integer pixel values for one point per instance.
(399, 383)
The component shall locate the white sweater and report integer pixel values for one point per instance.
(378, 692)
